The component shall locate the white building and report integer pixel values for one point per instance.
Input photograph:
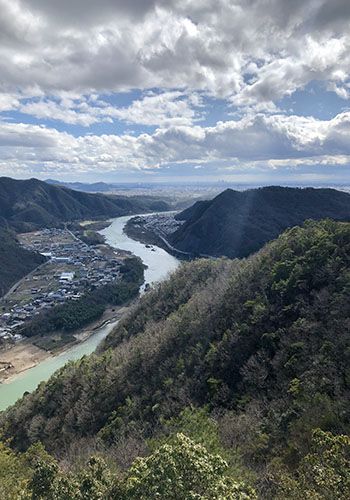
(66, 277)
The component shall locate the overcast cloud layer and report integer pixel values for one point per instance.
(209, 87)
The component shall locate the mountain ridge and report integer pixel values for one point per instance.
(94, 187)
(26, 203)
(238, 223)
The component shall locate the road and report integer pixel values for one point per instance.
(16, 285)
(189, 254)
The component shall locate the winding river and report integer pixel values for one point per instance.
(159, 264)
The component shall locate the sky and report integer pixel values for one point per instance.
(175, 90)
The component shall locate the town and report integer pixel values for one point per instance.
(159, 224)
(72, 267)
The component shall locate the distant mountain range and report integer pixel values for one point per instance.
(95, 187)
(27, 205)
(236, 224)
(31, 204)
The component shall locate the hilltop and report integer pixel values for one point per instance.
(95, 187)
(260, 344)
(30, 204)
(238, 223)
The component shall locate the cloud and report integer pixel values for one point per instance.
(152, 109)
(33, 137)
(275, 140)
(8, 102)
(90, 12)
(248, 51)
(63, 61)
(164, 109)
(67, 112)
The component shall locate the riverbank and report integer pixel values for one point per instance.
(139, 229)
(142, 234)
(26, 355)
(21, 357)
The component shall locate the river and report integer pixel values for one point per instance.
(159, 264)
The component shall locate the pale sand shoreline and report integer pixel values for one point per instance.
(25, 355)
(22, 356)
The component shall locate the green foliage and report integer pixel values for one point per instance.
(323, 474)
(182, 470)
(91, 237)
(16, 470)
(48, 482)
(13, 474)
(195, 423)
(96, 481)
(42, 484)
(202, 428)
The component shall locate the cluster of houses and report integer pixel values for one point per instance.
(84, 267)
(161, 224)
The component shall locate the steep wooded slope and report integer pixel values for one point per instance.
(236, 223)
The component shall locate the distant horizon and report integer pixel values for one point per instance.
(247, 92)
(224, 184)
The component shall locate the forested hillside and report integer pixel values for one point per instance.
(15, 260)
(236, 224)
(248, 358)
(30, 204)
